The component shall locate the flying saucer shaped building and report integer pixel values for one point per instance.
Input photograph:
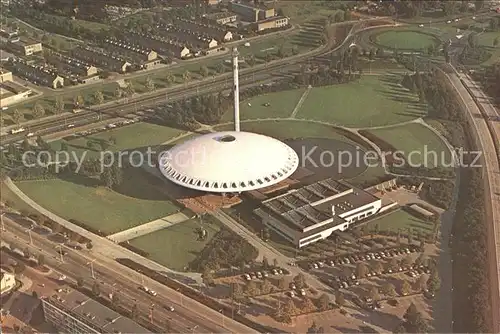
(229, 162)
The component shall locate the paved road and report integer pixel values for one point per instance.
(183, 319)
(492, 169)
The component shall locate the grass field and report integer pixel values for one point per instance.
(176, 246)
(401, 220)
(371, 101)
(81, 198)
(417, 138)
(286, 129)
(282, 105)
(138, 135)
(405, 40)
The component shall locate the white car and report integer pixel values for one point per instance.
(302, 292)
(71, 126)
(62, 277)
(171, 308)
(247, 277)
(152, 293)
(421, 25)
(31, 134)
(448, 21)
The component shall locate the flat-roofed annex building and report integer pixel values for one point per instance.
(311, 213)
(76, 313)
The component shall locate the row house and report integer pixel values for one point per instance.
(187, 37)
(141, 57)
(222, 18)
(38, 74)
(101, 59)
(161, 45)
(218, 33)
(73, 70)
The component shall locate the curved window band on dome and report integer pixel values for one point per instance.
(226, 139)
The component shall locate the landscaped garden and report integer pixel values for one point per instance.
(136, 201)
(405, 40)
(370, 101)
(178, 245)
(403, 221)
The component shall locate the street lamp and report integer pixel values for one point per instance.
(29, 233)
(60, 252)
(1, 219)
(179, 290)
(222, 316)
(91, 263)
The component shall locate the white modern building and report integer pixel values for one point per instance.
(311, 213)
(231, 161)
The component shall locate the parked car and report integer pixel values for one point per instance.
(302, 292)
(259, 274)
(275, 272)
(247, 277)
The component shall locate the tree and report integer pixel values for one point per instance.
(275, 263)
(208, 276)
(407, 261)
(204, 71)
(129, 88)
(19, 268)
(27, 253)
(89, 245)
(414, 321)
(38, 110)
(307, 305)
(150, 84)
(265, 263)
(421, 283)
(251, 60)
(374, 293)
(118, 92)
(107, 178)
(434, 282)
(361, 270)
(339, 16)
(421, 259)
(313, 329)
(300, 281)
(377, 266)
(289, 310)
(281, 283)
(220, 68)
(251, 289)
(169, 78)
(236, 291)
(59, 107)
(389, 290)
(339, 299)
(78, 101)
(405, 288)
(186, 76)
(134, 312)
(41, 260)
(496, 41)
(324, 302)
(266, 287)
(80, 282)
(26, 145)
(98, 97)
(279, 314)
(96, 289)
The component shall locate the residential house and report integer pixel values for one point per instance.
(73, 70)
(218, 33)
(101, 59)
(142, 58)
(161, 45)
(7, 282)
(272, 23)
(250, 13)
(187, 37)
(37, 74)
(222, 17)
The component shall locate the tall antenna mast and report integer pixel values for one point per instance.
(236, 91)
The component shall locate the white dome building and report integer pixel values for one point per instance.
(229, 162)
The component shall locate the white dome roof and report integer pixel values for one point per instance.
(228, 162)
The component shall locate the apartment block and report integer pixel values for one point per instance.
(222, 18)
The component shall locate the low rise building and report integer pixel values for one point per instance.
(7, 282)
(101, 59)
(186, 37)
(5, 56)
(210, 31)
(222, 17)
(25, 46)
(10, 91)
(75, 313)
(311, 213)
(5, 75)
(39, 75)
(272, 23)
(251, 13)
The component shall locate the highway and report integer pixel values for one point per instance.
(486, 125)
(76, 264)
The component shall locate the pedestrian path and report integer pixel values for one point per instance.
(301, 101)
(147, 228)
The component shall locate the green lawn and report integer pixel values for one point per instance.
(419, 139)
(178, 245)
(287, 129)
(371, 101)
(138, 135)
(405, 40)
(81, 198)
(282, 105)
(401, 220)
